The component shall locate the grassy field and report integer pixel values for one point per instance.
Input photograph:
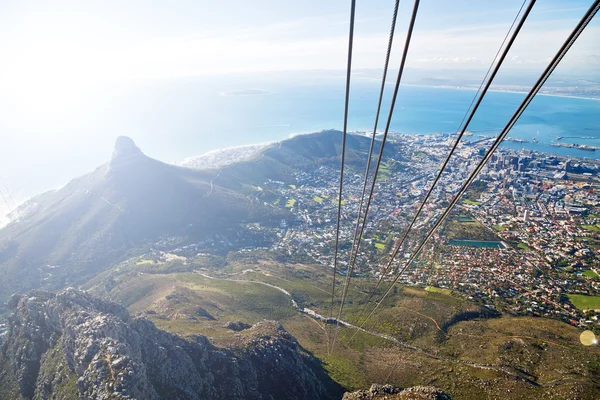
(592, 228)
(384, 174)
(386, 170)
(523, 246)
(590, 274)
(471, 202)
(583, 302)
(189, 303)
(468, 230)
(290, 203)
(318, 199)
(433, 289)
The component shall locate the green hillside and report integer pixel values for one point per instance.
(123, 206)
(445, 341)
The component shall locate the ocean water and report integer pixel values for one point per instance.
(174, 119)
(219, 117)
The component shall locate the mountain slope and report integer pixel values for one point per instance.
(72, 345)
(69, 234)
(66, 236)
(280, 160)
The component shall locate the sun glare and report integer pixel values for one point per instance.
(48, 78)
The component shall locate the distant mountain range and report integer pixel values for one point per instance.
(64, 237)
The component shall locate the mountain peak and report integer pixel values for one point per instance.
(125, 146)
(125, 151)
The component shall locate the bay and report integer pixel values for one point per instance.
(218, 117)
(174, 119)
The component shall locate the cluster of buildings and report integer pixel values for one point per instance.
(543, 209)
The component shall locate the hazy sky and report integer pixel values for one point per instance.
(74, 41)
(57, 56)
(53, 52)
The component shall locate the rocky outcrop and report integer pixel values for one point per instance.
(390, 392)
(70, 345)
(125, 151)
(236, 326)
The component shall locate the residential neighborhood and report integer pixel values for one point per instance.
(524, 239)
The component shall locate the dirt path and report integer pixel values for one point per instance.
(505, 370)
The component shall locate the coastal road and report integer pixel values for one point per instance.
(212, 186)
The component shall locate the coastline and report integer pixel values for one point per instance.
(501, 91)
(219, 158)
(240, 147)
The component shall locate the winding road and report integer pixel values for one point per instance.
(505, 370)
(212, 186)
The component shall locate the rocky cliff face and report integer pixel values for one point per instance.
(72, 345)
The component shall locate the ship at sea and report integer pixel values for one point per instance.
(575, 146)
(516, 140)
